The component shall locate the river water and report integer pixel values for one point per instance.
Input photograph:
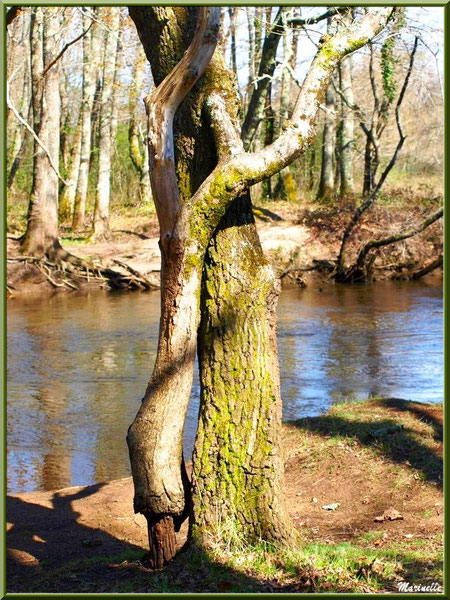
(78, 367)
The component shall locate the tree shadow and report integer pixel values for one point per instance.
(391, 439)
(41, 538)
(141, 236)
(424, 412)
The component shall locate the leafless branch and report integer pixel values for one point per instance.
(33, 133)
(66, 47)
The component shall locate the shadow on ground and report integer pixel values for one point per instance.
(394, 441)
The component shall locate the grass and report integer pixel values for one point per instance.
(314, 567)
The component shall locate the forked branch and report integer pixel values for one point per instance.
(161, 106)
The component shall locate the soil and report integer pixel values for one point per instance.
(293, 237)
(356, 464)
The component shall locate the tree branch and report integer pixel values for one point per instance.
(161, 106)
(229, 180)
(66, 47)
(392, 239)
(374, 195)
(313, 20)
(429, 268)
(33, 133)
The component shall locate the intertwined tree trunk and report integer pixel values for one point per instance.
(187, 225)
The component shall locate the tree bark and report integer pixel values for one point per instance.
(138, 157)
(91, 49)
(326, 184)
(347, 186)
(100, 227)
(67, 196)
(186, 229)
(237, 466)
(41, 236)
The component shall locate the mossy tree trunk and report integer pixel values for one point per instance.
(193, 210)
(237, 466)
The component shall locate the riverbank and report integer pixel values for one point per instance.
(296, 238)
(386, 527)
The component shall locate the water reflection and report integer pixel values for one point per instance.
(78, 367)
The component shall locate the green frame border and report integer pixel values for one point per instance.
(3, 8)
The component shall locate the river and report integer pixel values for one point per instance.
(77, 367)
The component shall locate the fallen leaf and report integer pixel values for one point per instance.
(390, 514)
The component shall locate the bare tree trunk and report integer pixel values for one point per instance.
(251, 46)
(18, 53)
(155, 437)
(41, 236)
(326, 184)
(269, 134)
(233, 11)
(65, 121)
(266, 69)
(116, 92)
(100, 228)
(67, 195)
(91, 49)
(347, 129)
(138, 157)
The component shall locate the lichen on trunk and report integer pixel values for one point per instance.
(237, 466)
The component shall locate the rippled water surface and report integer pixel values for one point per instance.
(78, 367)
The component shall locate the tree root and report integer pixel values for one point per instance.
(66, 269)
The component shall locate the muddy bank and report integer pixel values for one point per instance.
(388, 453)
(300, 242)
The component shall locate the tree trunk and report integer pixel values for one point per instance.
(237, 466)
(100, 228)
(187, 225)
(41, 236)
(67, 195)
(116, 91)
(18, 53)
(232, 12)
(91, 49)
(268, 137)
(138, 157)
(347, 129)
(266, 70)
(155, 436)
(326, 184)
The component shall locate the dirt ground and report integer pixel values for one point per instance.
(292, 237)
(371, 458)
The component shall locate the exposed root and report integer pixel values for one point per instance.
(67, 270)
